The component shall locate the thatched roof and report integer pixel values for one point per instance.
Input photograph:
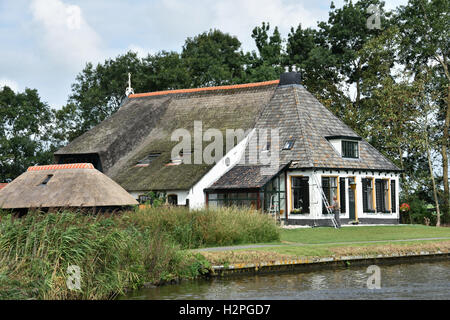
(142, 127)
(64, 186)
(144, 124)
(299, 116)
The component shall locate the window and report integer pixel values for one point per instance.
(46, 180)
(172, 199)
(393, 197)
(275, 195)
(342, 189)
(289, 145)
(180, 159)
(367, 185)
(300, 194)
(241, 199)
(350, 149)
(147, 160)
(143, 199)
(382, 200)
(329, 187)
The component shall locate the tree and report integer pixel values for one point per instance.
(25, 132)
(213, 58)
(425, 28)
(346, 33)
(307, 50)
(98, 91)
(268, 63)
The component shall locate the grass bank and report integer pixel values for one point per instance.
(328, 242)
(362, 233)
(115, 252)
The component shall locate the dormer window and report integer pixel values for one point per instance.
(350, 149)
(346, 146)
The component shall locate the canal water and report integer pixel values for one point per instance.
(429, 280)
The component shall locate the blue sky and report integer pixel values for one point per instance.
(46, 43)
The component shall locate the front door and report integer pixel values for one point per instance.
(351, 199)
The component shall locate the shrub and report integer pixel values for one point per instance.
(200, 228)
(418, 213)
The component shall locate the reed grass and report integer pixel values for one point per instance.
(115, 252)
(36, 250)
(208, 228)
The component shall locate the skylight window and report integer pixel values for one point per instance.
(147, 160)
(289, 145)
(46, 180)
(180, 158)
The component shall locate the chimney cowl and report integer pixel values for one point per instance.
(290, 78)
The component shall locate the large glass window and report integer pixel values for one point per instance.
(382, 195)
(300, 195)
(329, 187)
(275, 195)
(367, 185)
(239, 199)
(350, 149)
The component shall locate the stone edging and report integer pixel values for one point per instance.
(286, 265)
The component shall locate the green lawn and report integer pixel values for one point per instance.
(355, 234)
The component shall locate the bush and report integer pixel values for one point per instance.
(419, 213)
(202, 228)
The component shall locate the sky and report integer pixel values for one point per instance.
(44, 44)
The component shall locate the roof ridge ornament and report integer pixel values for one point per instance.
(129, 90)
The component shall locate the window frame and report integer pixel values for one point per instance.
(348, 143)
(366, 200)
(293, 190)
(330, 196)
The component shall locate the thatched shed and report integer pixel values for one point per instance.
(64, 186)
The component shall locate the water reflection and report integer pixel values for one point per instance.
(404, 281)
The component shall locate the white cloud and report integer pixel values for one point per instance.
(141, 52)
(240, 17)
(63, 33)
(13, 85)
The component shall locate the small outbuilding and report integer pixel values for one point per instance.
(75, 186)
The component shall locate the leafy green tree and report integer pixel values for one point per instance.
(425, 33)
(268, 63)
(25, 132)
(213, 58)
(346, 33)
(307, 50)
(165, 71)
(98, 91)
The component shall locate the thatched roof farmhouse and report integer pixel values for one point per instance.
(316, 152)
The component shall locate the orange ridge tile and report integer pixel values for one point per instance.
(236, 86)
(62, 167)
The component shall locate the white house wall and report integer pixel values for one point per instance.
(182, 195)
(232, 158)
(316, 200)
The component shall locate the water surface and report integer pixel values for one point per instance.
(402, 281)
